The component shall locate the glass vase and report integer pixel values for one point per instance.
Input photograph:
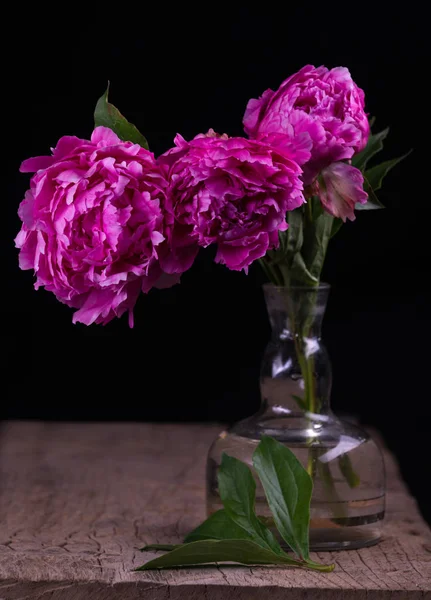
(348, 501)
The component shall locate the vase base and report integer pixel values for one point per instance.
(344, 513)
(330, 540)
(335, 546)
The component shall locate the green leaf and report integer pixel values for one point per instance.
(316, 207)
(218, 526)
(374, 145)
(108, 115)
(299, 274)
(288, 489)
(239, 551)
(237, 489)
(374, 176)
(317, 234)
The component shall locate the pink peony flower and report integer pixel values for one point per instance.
(339, 188)
(93, 224)
(326, 106)
(229, 191)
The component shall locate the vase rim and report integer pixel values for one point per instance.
(302, 288)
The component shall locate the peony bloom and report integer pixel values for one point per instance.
(93, 224)
(339, 188)
(232, 192)
(325, 106)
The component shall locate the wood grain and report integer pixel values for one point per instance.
(78, 500)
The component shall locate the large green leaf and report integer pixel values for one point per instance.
(288, 489)
(108, 115)
(374, 176)
(374, 145)
(237, 490)
(244, 552)
(218, 526)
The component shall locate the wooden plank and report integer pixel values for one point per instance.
(78, 500)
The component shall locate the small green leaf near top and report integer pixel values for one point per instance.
(373, 179)
(374, 176)
(107, 115)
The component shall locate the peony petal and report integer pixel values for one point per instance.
(67, 145)
(239, 254)
(104, 136)
(255, 108)
(31, 165)
(157, 237)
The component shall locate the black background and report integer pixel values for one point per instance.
(195, 350)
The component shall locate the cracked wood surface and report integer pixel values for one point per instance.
(78, 500)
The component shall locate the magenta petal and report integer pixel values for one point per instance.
(239, 254)
(67, 145)
(106, 136)
(253, 112)
(179, 260)
(31, 165)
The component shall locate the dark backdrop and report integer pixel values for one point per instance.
(195, 350)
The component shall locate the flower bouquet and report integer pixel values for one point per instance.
(104, 220)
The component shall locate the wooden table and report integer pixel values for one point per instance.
(78, 500)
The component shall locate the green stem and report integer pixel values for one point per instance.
(272, 271)
(312, 462)
(307, 372)
(348, 471)
(307, 368)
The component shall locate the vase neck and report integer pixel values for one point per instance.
(296, 372)
(296, 311)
